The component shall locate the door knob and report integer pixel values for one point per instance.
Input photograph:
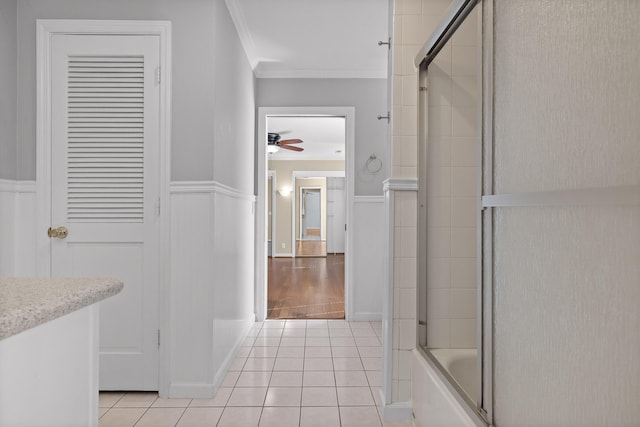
(60, 232)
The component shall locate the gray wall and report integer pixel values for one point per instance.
(8, 97)
(202, 39)
(368, 96)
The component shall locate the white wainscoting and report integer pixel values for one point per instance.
(212, 273)
(368, 257)
(17, 228)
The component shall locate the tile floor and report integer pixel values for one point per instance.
(298, 373)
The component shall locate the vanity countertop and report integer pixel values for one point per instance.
(26, 302)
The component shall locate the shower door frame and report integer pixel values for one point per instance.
(481, 410)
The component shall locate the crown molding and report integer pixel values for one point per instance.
(237, 16)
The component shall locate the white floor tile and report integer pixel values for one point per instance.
(286, 379)
(324, 351)
(374, 378)
(318, 342)
(364, 333)
(240, 417)
(291, 352)
(372, 363)
(109, 398)
(220, 400)
(247, 396)
(200, 417)
(319, 417)
(319, 379)
(345, 352)
(295, 324)
(280, 417)
(370, 351)
(319, 396)
(267, 342)
(137, 399)
(318, 364)
(283, 396)
(243, 352)
(263, 352)
(230, 379)
(274, 324)
(351, 379)
(294, 333)
(254, 379)
(292, 342)
(121, 417)
(355, 396)
(259, 364)
(270, 332)
(289, 364)
(360, 325)
(340, 333)
(316, 323)
(160, 417)
(342, 342)
(318, 333)
(347, 364)
(237, 364)
(368, 342)
(170, 403)
(359, 417)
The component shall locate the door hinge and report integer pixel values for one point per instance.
(158, 338)
(158, 74)
(158, 207)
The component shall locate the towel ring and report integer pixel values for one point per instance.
(373, 164)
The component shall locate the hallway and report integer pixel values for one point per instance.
(306, 288)
(293, 373)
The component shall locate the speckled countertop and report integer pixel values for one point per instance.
(26, 302)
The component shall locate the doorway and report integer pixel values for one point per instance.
(302, 278)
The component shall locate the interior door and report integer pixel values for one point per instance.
(311, 214)
(105, 190)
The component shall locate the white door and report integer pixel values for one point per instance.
(105, 190)
(310, 212)
(336, 217)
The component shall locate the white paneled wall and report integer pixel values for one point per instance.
(8, 198)
(211, 283)
(17, 228)
(369, 251)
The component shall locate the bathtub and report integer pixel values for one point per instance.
(462, 365)
(434, 404)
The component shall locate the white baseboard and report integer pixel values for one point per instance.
(397, 410)
(366, 317)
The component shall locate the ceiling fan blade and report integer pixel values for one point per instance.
(290, 141)
(292, 148)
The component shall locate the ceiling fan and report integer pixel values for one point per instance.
(275, 143)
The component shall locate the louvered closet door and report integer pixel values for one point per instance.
(105, 120)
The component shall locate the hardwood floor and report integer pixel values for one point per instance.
(306, 248)
(306, 288)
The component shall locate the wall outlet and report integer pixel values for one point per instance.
(284, 245)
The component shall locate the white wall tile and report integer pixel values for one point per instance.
(464, 182)
(464, 121)
(464, 91)
(439, 243)
(439, 212)
(464, 272)
(410, 120)
(407, 339)
(412, 29)
(464, 211)
(439, 272)
(409, 242)
(404, 390)
(408, 272)
(407, 303)
(464, 60)
(463, 242)
(463, 333)
(439, 333)
(464, 303)
(467, 33)
(438, 303)
(464, 151)
(404, 365)
(440, 121)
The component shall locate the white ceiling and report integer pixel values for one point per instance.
(313, 38)
(323, 136)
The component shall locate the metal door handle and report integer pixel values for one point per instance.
(60, 232)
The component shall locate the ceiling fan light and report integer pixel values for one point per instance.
(272, 149)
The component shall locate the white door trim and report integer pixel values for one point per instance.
(46, 29)
(349, 114)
